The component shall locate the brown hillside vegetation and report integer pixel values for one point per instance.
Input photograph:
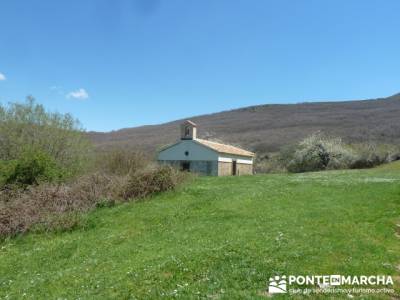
(266, 128)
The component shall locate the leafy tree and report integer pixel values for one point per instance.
(29, 128)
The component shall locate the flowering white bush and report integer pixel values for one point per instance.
(318, 152)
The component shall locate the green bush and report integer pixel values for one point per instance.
(32, 167)
(7, 168)
(57, 137)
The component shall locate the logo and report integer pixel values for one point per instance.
(277, 285)
(322, 284)
(335, 280)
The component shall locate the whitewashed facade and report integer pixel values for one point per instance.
(206, 157)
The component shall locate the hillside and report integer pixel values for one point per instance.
(217, 238)
(266, 128)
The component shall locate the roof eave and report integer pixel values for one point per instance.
(247, 155)
(222, 152)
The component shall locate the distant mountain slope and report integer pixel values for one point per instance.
(268, 127)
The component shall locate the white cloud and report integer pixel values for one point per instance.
(2, 77)
(78, 94)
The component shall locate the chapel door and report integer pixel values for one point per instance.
(234, 167)
(185, 166)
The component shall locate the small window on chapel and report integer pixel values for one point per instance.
(187, 131)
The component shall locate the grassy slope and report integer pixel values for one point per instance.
(218, 237)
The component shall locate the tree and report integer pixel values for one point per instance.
(27, 127)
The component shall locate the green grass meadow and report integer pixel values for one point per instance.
(217, 238)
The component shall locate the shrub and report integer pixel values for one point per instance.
(317, 152)
(370, 155)
(31, 168)
(151, 181)
(269, 163)
(27, 126)
(7, 168)
(121, 162)
(54, 206)
(61, 206)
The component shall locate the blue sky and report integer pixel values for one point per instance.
(125, 63)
